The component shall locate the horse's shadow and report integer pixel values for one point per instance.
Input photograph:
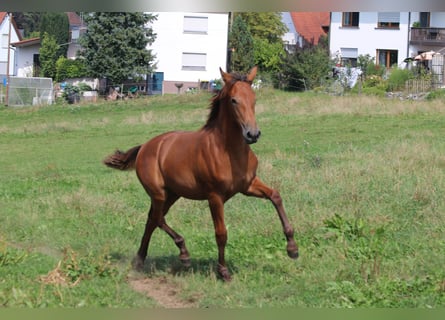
(171, 264)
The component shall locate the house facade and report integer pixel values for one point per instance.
(389, 37)
(427, 32)
(27, 63)
(190, 48)
(8, 34)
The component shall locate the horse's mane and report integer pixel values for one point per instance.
(215, 103)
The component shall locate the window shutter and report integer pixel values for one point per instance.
(393, 17)
(194, 61)
(349, 52)
(195, 24)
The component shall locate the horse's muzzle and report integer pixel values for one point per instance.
(251, 136)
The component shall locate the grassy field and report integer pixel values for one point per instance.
(362, 179)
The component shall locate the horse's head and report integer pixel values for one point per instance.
(241, 99)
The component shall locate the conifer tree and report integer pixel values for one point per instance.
(241, 46)
(115, 45)
(56, 24)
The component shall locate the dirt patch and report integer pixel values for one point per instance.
(165, 293)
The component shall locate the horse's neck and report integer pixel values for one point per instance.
(231, 136)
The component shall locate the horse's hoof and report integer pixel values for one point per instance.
(138, 264)
(186, 262)
(293, 254)
(224, 273)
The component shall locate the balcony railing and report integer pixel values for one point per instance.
(428, 36)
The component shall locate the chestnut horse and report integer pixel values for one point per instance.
(213, 164)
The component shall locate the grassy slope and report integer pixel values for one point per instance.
(361, 179)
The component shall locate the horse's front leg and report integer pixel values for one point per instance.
(216, 204)
(258, 189)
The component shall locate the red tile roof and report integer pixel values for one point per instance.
(2, 16)
(311, 25)
(74, 19)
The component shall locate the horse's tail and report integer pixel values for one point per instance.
(122, 160)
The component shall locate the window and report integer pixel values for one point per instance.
(424, 19)
(194, 61)
(198, 25)
(387, 58)
(389, 20)
(349, 57)
(350, 19)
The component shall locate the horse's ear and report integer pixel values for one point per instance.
(225, 76)
(252, 74)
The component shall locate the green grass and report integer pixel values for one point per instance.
(361, 179)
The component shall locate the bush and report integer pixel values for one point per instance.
(305, 69)
(67, 68)
(436, 94)
(397, 79)
(71, 94)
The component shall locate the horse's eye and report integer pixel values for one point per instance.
(234, 101)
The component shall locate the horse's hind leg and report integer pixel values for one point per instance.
(259, 189)
(177, 238)
(180, 243)
(150, 226)
(156, 219)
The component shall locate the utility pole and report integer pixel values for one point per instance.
(9, 60)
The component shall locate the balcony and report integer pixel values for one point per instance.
(428, 36)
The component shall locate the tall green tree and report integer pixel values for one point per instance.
(48, 56)
(241, 46)
(264, 25)
(266, 29)
(57, 25)
(29, 22)
(115, 45)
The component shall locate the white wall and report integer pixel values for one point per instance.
(4, 31)
(24, 62)
(367, 38)
(171, 42)
(437, 19)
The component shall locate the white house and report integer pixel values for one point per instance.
(389, 37)
(427, 32)
(8, 34)
(383, 35)
(27, 62)
(190, 48)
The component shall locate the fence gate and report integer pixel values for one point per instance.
(437, 70)
(30, 91)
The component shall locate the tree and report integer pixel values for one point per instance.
(306, 68)
(48, 56)
(115, 45)
(29, 22)
(241, 46)
(266, 29)
(264, 25)
(268, 56)
(57, 25)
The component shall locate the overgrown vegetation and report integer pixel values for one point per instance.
(69, 68)
(305, 69)
(361, 178)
